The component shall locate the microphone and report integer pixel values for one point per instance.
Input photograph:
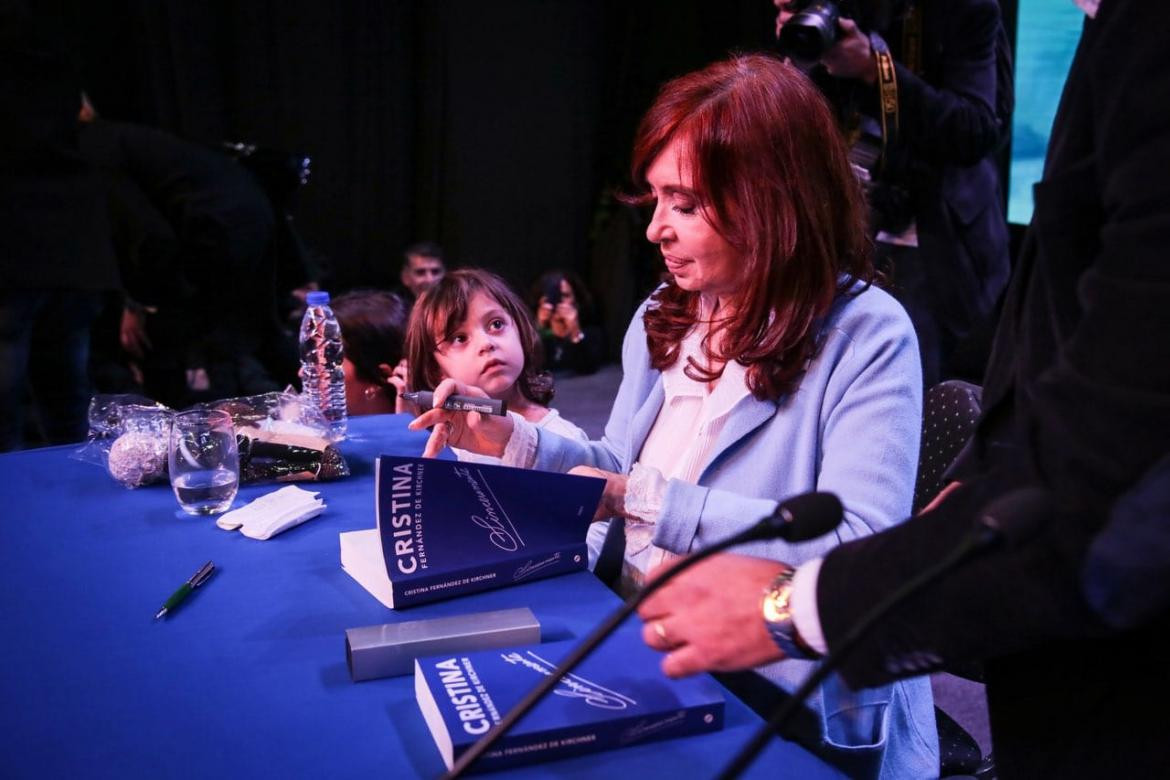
(798, 519)
(1009, 521)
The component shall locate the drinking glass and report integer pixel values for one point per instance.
(204, 461)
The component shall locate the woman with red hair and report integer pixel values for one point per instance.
(765, 366)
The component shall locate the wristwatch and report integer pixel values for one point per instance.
(777, 612)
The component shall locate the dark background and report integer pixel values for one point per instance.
(496, 128)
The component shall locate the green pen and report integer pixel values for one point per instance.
(197, 579)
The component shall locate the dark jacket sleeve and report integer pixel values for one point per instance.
(947, 115)
(1091, 393)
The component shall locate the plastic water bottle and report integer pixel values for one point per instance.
(322, 375)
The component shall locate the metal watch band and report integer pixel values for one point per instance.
(777, 614)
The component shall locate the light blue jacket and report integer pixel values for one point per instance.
(851, 428)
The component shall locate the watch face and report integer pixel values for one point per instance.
(776, 604)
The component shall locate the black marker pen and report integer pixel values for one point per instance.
(459, 403)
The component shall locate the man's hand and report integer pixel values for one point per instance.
(710, 618)
(851, 56)
(132, 331)
(487, 434)
(941, 497)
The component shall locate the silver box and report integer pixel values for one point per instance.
(390, 649)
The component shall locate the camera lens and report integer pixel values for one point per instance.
(811, 32)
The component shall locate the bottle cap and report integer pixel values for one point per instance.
(317, 298)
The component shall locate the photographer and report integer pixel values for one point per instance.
(924, 136)
(563, 310)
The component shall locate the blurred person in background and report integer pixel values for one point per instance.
(925, 139)
(422, 268)
(55, 254)
(573, 344)
(373, 332)
(198, 242)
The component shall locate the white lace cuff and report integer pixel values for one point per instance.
(645, 492)
(521, 448)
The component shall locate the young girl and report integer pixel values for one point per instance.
(472, 328)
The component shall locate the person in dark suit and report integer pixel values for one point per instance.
(935, 204)
(196, 235)
(1076, 406)
(55, 254)
(563, 308)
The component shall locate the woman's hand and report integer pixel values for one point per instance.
(486, 434)
(613, 499)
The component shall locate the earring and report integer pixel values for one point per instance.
(370, 393)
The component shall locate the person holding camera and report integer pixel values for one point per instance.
(564, 313)
(923, 89)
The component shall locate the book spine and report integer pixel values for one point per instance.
(567, 742)
(449, 584)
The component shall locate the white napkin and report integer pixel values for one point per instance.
(273, 512)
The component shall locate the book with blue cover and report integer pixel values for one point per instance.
(446, 529)
(614, 698)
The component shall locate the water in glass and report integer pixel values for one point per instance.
(204, 461)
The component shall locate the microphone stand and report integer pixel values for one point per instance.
(984, 536)
(766, 528)
(580, 652)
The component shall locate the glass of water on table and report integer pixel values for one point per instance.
(204, 461)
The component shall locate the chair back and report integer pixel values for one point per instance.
(950, 411)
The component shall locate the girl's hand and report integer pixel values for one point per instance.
(397, 378)
(613, 498)
(486, 434)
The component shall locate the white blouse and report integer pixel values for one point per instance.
(678, 446)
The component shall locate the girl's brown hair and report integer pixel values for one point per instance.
(772, 169)
(441, 310)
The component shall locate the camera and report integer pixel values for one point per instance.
(811, 31)
(552, 292)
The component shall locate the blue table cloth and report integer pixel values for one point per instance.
(248, 677)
